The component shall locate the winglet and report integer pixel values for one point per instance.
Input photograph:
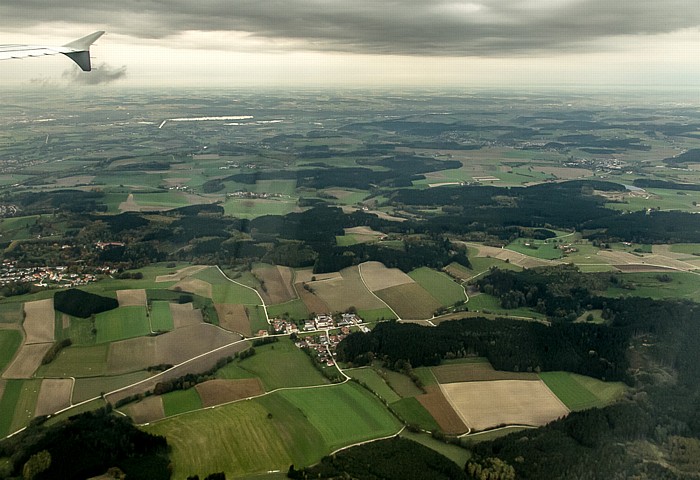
(80, 53)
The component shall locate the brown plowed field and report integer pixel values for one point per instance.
(484, 405)
(278, 286)
(346, 291)
(129, 298)
(198, 365)
(378, 277)
(180, 274)
(39, 321)
(147, 410)
(312, 302)
(437, 405)
(185, 315)
(54, 395)
(476, 372)
(306, 275)
(27, 360)
(170, 348)
(217, 392)
(194, 285)
(410, 301)
(233, 318)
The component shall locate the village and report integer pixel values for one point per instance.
(46, 276)
(323, 342)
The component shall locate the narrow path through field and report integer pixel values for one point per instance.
(359, 269)
(262, 302)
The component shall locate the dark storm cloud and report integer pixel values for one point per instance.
(413, 27)
(102, 73)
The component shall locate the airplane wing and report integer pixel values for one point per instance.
(77, 50)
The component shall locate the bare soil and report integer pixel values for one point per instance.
(185, 315)
(147, 410)
(129, 298)
(27, 360)
(39, 321)
(54, 395)
(234, 318)
(217, 392)
(437, 405)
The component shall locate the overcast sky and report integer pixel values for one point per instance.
(478, 43)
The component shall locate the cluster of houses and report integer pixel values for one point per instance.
(44, 276)
(253, 195)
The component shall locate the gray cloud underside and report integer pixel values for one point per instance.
(403, 27)
(102, 73)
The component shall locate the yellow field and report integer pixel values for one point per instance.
(130, 298)
(39, 321)
(378, 277)
(484, 405)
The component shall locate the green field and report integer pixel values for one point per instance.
(11, 312)
(536, 248)
(398, 382)
(181, 401)
(278, 365)
(161, 318)
(455, 453)
(425, 375)
(18, 404)
(579, 392)
(376, 315)
(658, 285)
(660, 198)
(241, 438)
(412, 412)
(78, 409)
(10, 340)
(294, 309)
(343, 414)
(80, 330)
(689, 248)
(226, 291)
(439, 285)
(375, 383)
(77, 361)
(489, 304)
(122, 323)
(256, 315)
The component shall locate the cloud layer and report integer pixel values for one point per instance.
(400, 27)
(102, 73)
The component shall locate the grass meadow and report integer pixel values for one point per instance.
(77, 361)
(343, 414)
(294, 309)
(161, 318)
(439, 285)
(122, 323)
(181, 401)
(10, 340)
(412, 412)
(279, 364)
(91, 387)
(579, 392)
(226, 291)
(375, 383)
(11, 312)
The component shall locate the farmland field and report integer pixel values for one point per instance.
(147, 410)
(25, 402)
(242, 438)
(75, 361)
(39, 321)
(474, 372)
(132, 298)
(11, 312)
(8, 402)
(483, 405)
(277, 282)
(343, 414)
(439, 285)
(436, 404)
(345, 291)
(10, 340)
(185, 315)
(217, 392)
(375, 383)
(161, 317)
(412, 412)
(121, 323)
(579, 392)
(226, 291)
(281, 364)
(659, 285)
(536, 248)
(296, 310)
(181, 401)
(234, 318)
(378, 277)
(54, 395)
(27, 360)
(490, 304)
(398, 382)
(455, 453)
(410, 301)
(91, 387)
(376, 315)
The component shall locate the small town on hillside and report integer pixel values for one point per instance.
(46, 276)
